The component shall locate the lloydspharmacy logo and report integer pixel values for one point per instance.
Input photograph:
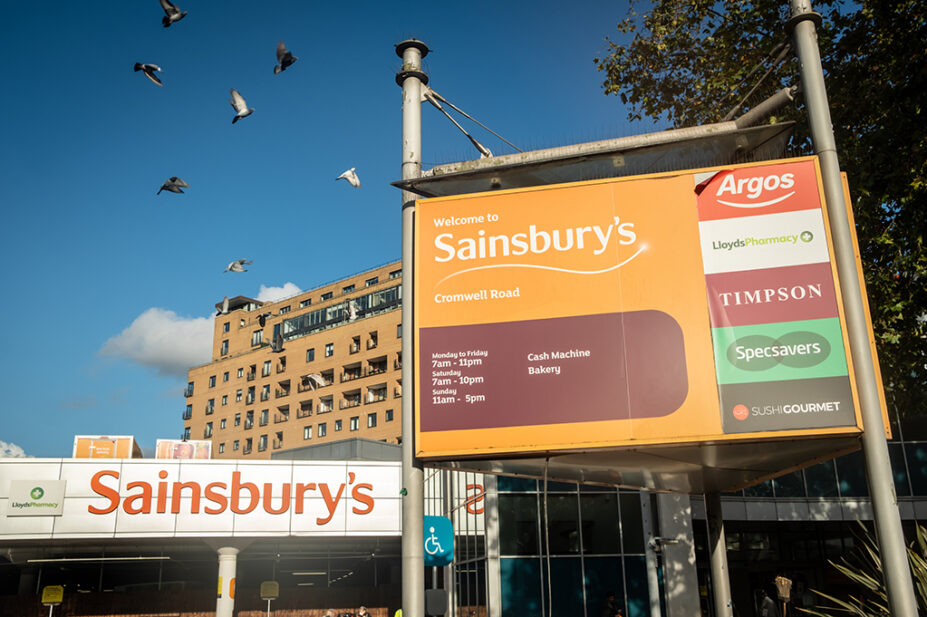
(37, 493)
(751, 241)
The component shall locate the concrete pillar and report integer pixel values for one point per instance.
(680, 576)
(225, 600)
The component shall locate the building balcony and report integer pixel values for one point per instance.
(371, 344)
(376, 369)
(262, 447)
(251, 376)
(325, 407)
(246, 450)
(347, 404)
(277, 444)
(397, 392)
(188, 391)
(281, 417)
(281, 368)
(281, 392)
(187, 414)
(354, 348)
(350, 376)
(249, 424)
(209, 410)
(376, 397)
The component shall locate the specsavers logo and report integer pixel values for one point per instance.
(750, 241)
(759, 352)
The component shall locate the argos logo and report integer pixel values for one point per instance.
(742, 191)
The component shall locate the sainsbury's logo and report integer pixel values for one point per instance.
(743, 192)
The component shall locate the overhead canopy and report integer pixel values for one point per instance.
(703, 146)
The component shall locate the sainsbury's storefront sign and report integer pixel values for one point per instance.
(133, 498)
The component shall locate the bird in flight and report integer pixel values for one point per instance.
(149, 71)
(239, 105)
(174, 185)
(284, 57)
(313, 379)
(262, 318)
(237, 266)
(171, 13)
(351, 177)
(224, 308)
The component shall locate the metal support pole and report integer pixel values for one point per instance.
(717, 548)
(878, 467)
(411, 78)
(651, 559)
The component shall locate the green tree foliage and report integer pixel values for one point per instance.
(691, 61)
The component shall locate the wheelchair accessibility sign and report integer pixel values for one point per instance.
(439, 541)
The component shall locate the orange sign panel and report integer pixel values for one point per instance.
(102, 446)
(686, 307)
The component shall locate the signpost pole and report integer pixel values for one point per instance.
(878, 467)
(717, 547)
(411, 78)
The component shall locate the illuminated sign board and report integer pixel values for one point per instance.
(676, 308)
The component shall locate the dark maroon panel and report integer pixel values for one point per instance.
(551, 371)
(771, 295)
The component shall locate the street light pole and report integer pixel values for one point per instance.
(411, 78)
(878, 466)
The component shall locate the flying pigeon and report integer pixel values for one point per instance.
(237, 266)
(284, 57)
(174, 185)
(351, 177)
(240, 106)
(225, 306)
(352, 310)
(171, 13)
(313, 379)
(276, 345)
(262, 318)
(149, 70)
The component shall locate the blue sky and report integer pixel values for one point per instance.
(110, 287)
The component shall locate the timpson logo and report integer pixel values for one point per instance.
(236, 495)
(595, 239)
(754, 192)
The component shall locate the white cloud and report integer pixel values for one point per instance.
(11, 450)
(164, 341)
(272, 294)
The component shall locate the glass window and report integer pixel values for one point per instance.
(636, 584)
(262, 443)
(238, 396)
(238, 419)
(518, 524)
(225, 327)
(509, 484)
(355, 422)
(323, 430)
(225, 399)
(186, 432)
(241, 373)
(307, 432)
(371, 420)
(222, 423)
(212, 381)
(896, 455)
(347, 289)
(395, 274)
(632, 524)
(221, 448)
(225, 347)
(371, 281)
(563, 524)
(600, 523)
(851, 475)
(284, 310)
(257, 337)
(207, 432)
(567, 593)
(235, 445)
(398, 330)
(763, 489)
(310, 354)
(822, 482)
(789, 485)
(225, 376)
(326, 296)
(264, 416)
(329, 349)
(521, 587)
(337, 425)
(916, 453)
(388, 414)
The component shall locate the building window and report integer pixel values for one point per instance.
(247, 448)
(266, 371)
(399, 330)
(264, 417)
(235, 445)
(241, 373)
(337, 425)
(372, 281)
(262, 443)
(225, 376)
(307, 432)
(225, 347)
(355, 423)
(212, 381)
(371, 420)
(225, 327)
(310, 354)
(305, 303)
(186, 433)
(326, 296)
(188, 412)
(323, 430)
(225, 399)
(222, 448)
(265, 392)
(222, 423)
(249, 419)
(278, 440)
(238, 396)
(395, 274)
(238, 419)
(347, 289)
(284, 310)
(207, 432)
(257, 337)
(188, 391)
(210, 406)
(388, 415)
(329, 349)
(250, 398)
